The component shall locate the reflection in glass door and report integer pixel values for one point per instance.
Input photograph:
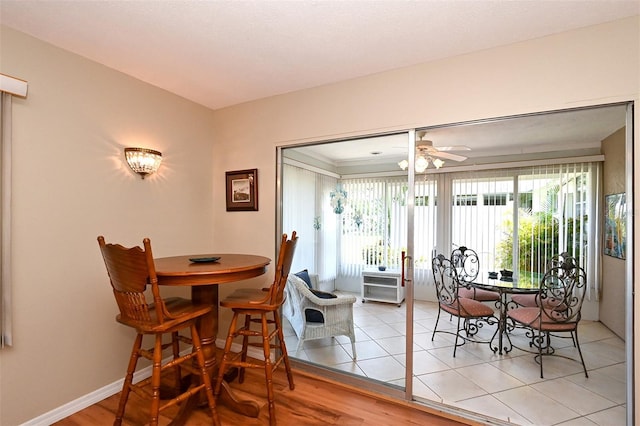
(349, 201)
(357, 214)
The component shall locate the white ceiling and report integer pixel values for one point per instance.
(221, 53)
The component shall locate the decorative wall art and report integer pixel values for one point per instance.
(615, 231)
(242, 190)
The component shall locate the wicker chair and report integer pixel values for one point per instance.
(257, 305)
(558, 309)
(335, 314)
(130, 271)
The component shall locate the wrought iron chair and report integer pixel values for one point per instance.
(557, 308)
(531, 300)
(471, 314)
(467, 265)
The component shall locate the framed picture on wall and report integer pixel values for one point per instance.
(242, 190)
(615, 232)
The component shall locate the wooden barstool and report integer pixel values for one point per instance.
(257, 305)
(130, 271)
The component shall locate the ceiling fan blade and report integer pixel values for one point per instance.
(447, 155)
(453, 148)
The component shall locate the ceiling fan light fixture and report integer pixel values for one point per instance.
(421, 164)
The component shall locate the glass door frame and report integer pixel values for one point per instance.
(408, 265)
(407, 392)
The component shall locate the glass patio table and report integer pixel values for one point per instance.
(504, 288)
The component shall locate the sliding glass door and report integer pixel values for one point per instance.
(369, 227)
(349, 201)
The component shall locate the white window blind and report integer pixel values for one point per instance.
(425, 228)
(306, 210)
(9, 87)
(481, 214)
(518, 219)
(364, 226)
(514, 219)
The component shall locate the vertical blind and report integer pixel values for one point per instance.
(481, 214)
(306, 209)
(515, 219)
(5, 220)
(425, 215)
(365, 232)
(518, 219)
(9, 87)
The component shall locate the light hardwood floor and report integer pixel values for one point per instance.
(313, 402)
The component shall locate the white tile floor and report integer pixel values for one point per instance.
(506, 387)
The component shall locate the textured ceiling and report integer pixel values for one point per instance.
(221, 53)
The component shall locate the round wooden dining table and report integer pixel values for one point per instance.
(204, 275)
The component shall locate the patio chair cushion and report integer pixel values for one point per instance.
(304, 276)
(312, 315)
(526, 300)
(478, 294)
(468, 308)
(531, 317)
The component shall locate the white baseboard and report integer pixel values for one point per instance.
(98, 395)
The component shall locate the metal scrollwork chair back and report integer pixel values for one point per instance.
(467, 265)
(558, 308)
(471, 315)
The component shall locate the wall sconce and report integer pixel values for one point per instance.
(142, 160)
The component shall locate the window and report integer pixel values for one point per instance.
(513, 218)
(466, 200)
(556, 212)
(496, 199)
(480, 225)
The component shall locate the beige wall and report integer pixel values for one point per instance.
(70, 185)
(613, 277)
(58, 204)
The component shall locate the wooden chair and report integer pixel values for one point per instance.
(256, 305)
(130, 270)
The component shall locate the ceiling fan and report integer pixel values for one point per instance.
(426, 149)
(427, 153)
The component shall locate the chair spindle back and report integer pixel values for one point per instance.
(130, 270)
(283, 266)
